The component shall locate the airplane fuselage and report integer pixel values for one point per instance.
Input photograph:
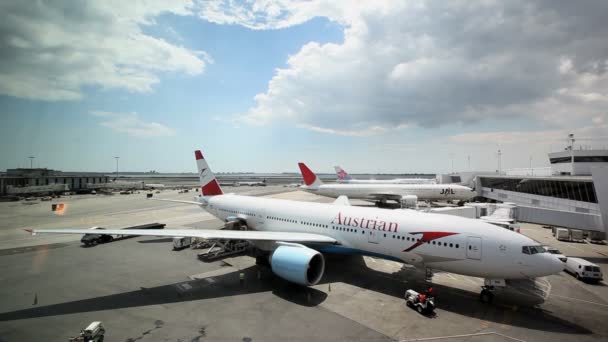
(388, 181)
(458, 245)
(432, 192)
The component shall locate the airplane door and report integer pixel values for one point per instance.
(474, 248)
(372, 236)
(260, 219)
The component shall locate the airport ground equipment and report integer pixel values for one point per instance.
(596, 237)
(576, 235)
(92, 239)
(562, 234)
(424, 304)
(181, 242)
(583, 269)
(556, 252)
(218, 249)
(94, 332)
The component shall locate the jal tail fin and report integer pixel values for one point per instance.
(310, 179)
(342, 175)
(209, 185)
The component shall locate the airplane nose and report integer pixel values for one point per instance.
(553, 264)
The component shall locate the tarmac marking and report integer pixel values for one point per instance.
(580, 300)
(462, 335)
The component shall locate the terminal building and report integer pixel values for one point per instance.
(572, 193)
(40, 180)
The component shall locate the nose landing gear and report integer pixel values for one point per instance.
(487, 294)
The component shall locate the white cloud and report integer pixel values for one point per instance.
(50, 50)
(131, 124)
(434, 62)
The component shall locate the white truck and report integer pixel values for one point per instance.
(576, 235)
(562, 234)
(94, 332)
(583, 269)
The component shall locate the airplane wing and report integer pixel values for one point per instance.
(210, 234)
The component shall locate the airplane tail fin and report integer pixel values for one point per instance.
(342, 175)
(310, 179)
(209, 185)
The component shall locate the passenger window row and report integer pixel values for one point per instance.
(351, 230)
(314, 224)
(237, 212)
(281, 219)
(436, 243)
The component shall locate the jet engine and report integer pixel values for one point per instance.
(298, 264)
(409, 201)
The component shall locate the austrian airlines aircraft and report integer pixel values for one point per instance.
(405, 194)
(293, 235)
(344, 177)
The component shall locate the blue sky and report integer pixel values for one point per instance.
(259, 86)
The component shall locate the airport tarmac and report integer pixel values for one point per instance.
(144, 291)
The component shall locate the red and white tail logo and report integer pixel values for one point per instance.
(209, 185)
(310, 178)
(342, 174)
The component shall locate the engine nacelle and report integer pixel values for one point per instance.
(298, 264)
(409, 201)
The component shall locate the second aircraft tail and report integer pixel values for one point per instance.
(342, 174)
(310, 179)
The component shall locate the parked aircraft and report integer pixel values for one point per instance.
(344, 177)
(405, 194)
(292, 235)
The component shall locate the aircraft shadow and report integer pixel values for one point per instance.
(354, 271)
(347, 269)
(219, 286)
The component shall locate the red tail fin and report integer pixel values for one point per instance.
(209, 185)
(309, 177)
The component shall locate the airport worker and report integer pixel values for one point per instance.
(421, 298)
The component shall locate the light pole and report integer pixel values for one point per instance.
(499, 154)
(31, 162)
(116, 165)
(571, 140)
(531, 169)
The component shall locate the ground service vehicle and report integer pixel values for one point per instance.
(92, 333)
(583, 269)
(562, 234)
(92, 239)
(424, 304)
(180, 242)
(556, 252)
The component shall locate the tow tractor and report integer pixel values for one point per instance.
(93, 333)
(424, 304)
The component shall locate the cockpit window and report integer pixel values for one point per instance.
(532, 249)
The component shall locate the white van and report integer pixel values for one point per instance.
(583, 269)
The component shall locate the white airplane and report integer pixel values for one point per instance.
(405, 194)
(344, 177)
(292, 236)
